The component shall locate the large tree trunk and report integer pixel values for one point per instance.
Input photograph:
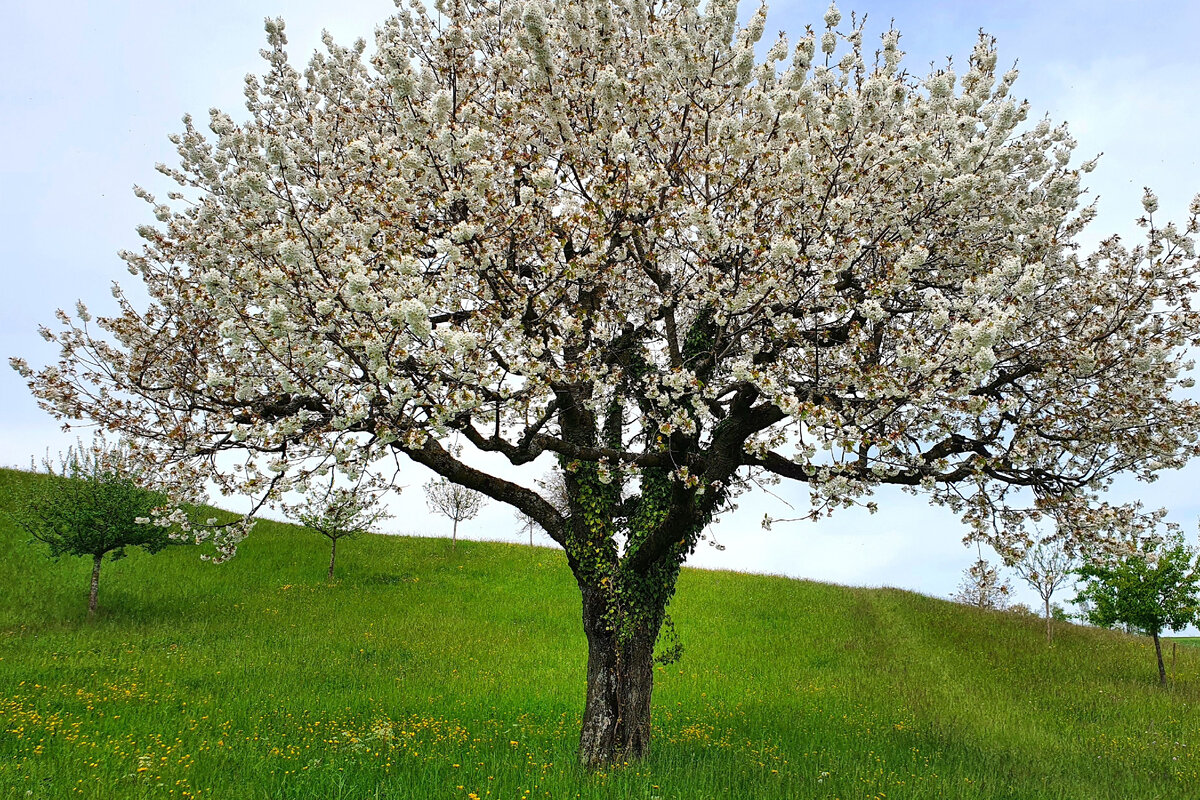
(95, 593)
(1162, 670)
(620, 678)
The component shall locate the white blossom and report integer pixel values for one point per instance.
(1150, 201)
(832, 16)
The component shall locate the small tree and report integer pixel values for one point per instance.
(983, 587)
(1046, 568)
(92, 503)
(527, 524)
(453, 501)
(1154, 587)
(555, 491)
(340, 514)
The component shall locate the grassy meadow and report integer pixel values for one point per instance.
(426, 673)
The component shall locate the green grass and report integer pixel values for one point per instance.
(423, 673)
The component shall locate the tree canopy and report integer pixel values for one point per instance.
(983, 587)
(610, 233)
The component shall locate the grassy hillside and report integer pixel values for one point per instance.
(423, 673)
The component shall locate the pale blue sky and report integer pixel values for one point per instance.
(91, 91)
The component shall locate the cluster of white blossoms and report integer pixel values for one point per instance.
(519, 220)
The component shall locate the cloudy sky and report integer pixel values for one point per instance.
(91, 91)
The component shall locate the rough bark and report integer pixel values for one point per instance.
(332, 557)
(1162, 670)
(620, 679)
(95, 592)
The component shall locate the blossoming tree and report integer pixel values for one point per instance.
(1046, 567)
(983, 587)
(339, 512)
(453, 501)
(608, 232)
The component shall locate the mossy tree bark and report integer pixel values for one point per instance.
(624, 545)
(620, 681)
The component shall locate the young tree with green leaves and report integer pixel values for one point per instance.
(621, 235)
(1155, 587)
(93, 502)
(340, 513)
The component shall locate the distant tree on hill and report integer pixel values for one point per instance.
(455, 502)
(983, 587)
(92, 502)
(555, 491)
(340, 513)
(526, 524)
(1155, 587)
(1046, 567)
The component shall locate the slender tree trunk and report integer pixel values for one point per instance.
(1162, 670)
(1049, 635)
(95, 585)
(454, 536)
(620, 679)
(332, 557)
